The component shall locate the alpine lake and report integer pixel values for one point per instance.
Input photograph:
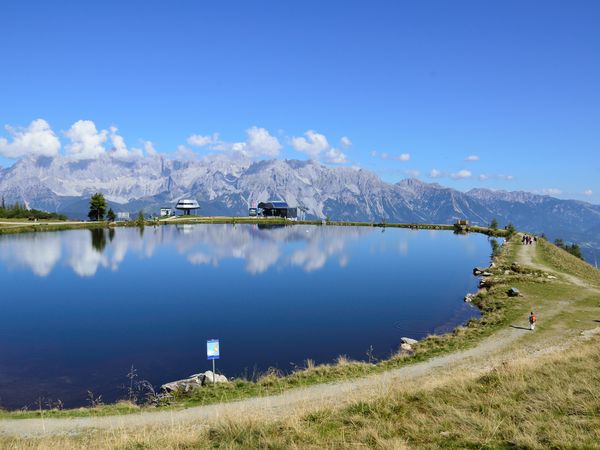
(79, 308)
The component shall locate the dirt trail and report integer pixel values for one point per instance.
(478, 359)
(526, 256)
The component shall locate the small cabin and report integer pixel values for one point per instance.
(166, 212)
(461, 226)
(187, 206)
(278, 209)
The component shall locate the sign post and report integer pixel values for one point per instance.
(212, 352)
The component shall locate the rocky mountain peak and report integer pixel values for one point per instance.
(228, 186)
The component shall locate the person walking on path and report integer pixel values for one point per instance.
(532, 321)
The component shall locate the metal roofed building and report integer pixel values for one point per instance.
(278, 209)
(187, 205)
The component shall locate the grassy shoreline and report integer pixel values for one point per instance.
(495, 313)
(17, 226)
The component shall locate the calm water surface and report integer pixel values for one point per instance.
(79, 307)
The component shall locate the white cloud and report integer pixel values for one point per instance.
(552, 191)
(149, 148)
(313, 144)
(261, 143)
(198, 140)
(334, 156)
(345, 142)
(464, 173)
(461, 174)
(472, 158)
(119, 149)
(86, 141)
(385, 156)
(118, 142)
(37, 139)
(587, 192)
(185, 153)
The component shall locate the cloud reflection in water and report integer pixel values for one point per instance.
(262, 248)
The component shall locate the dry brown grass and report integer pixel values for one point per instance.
(562, 261)
(548, 402)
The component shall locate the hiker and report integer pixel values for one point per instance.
(532, 321)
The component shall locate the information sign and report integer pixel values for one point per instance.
(212, 349)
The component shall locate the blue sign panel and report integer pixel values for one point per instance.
(212, 349)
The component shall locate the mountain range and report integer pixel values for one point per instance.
(224, 186)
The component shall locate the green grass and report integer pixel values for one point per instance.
(122, 407)
(562, 261)
(27, 227)
(39, 227)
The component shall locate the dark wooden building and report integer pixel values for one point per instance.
(277, 209)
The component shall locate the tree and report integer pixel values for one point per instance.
(140, 220)
(110, 215)
(510, 228)
(97, 207)
(573, 249)
(494, 224)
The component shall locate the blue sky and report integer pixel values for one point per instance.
(416, 87)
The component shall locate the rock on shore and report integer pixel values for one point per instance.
(194, 381)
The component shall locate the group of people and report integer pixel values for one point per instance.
(528, 240)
